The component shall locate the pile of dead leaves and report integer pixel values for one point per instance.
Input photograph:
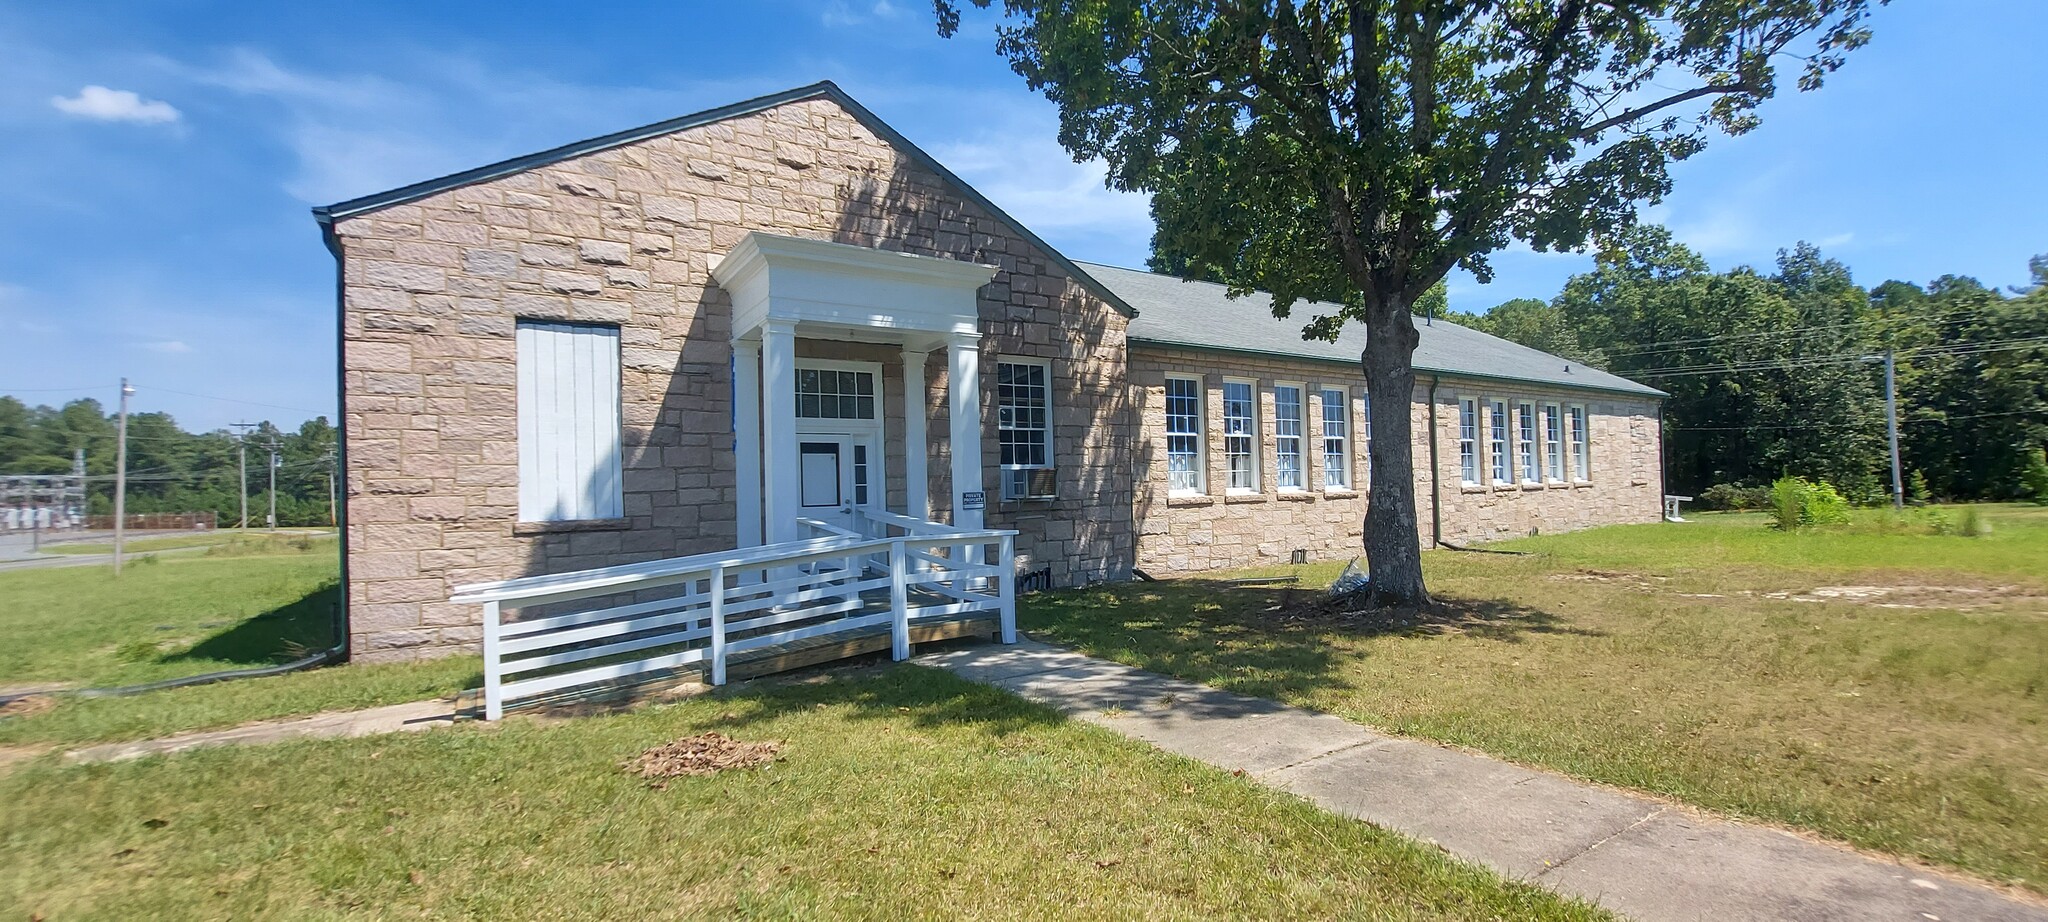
(27, 705)
(703, 754)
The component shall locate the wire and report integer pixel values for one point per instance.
(1845, 358)
(52, 390)
(1903, 420)
(253, 403)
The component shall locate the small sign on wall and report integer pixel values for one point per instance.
(972, 501)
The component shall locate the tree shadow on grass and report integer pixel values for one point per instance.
(1269, 641)
(295, 629)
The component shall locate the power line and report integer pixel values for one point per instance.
(253, 403)
(1853, 424)
(1794, 363)
(49, 390)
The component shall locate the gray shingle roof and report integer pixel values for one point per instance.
(1179, 312)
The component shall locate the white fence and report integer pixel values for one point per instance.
(667, 614)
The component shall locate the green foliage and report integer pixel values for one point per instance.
(171, 470)
(1972, 524)
(2035, 480)
(1536, 325)
(1800, 503)
(1732, 497)
(1916, 488)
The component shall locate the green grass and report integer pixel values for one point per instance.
(156, 714)
(1652, 657)
(167, 616)
(904, 793)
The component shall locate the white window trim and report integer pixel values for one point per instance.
(1343, 455)
(1528, 465)
(1300, 436)
(1500, 441)
(1581, 442)
(1362, 420)
(1554, 450)
(1201, 435)
(1051, 458)
(1257, 435)
(1468, 447)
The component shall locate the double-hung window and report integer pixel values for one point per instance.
(1024, 428)
(1497, 441)
(1525, 441)
(1582, 459)
(568, 393)
(1287, 431)
(1184, 465)
(1241, 436)
(1468, 440)
(1336, 440)
(1553, 443)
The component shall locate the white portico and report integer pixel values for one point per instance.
(808, 434)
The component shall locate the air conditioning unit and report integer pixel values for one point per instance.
(1031, 483)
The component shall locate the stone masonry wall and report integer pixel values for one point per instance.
(433, 289)
(1221, 530)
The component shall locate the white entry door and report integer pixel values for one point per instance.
(834, 477)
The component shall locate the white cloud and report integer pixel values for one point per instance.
(842, 13)
(168, 346)
(1024, 170)
(1835, 240)
(106, 105)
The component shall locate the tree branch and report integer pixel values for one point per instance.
(1631, 115)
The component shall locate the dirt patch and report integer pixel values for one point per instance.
(700, 755)
(1610, 577)
(1949, 597)
(27, 705)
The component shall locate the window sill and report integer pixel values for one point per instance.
(1244, 497)
(1475, 488)
(1582, 484)
(554, 528)
(1296, 496)
(1532, 487)
(1341, 493)
(1189, 499)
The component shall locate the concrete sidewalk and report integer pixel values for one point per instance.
(395, 718)
(1639, 857)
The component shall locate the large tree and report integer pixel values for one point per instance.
(1355, 151)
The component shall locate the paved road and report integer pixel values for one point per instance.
(1639, 857)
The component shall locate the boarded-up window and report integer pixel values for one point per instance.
(568, 422)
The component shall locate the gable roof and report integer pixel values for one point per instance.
(1201, 315)
(825, 89)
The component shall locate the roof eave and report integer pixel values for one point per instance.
(1640, 390)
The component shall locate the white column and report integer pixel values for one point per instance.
(746, 415)
(963, 391)
(916, 446)
(778, 422)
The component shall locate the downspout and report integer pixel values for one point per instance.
(340, 652)
(1663, 483)
(1436, 506)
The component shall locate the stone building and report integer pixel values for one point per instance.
(695, 335)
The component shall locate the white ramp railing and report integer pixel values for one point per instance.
(662, 615)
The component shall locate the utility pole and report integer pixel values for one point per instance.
(242, 466)
(1891, 412)
(273, 483)
(331, 518)
(121, 478)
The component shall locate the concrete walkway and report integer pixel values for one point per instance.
(1639, 857)
(396, 718)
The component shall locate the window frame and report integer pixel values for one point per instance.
(1552, 419)
(1528, 467)
(1200, 435)
(1299, 438)
(1500, 436)
(1045, 439)
(1251, 432)
(1579, 434)
(1342, 456)
(1468, 441)
(1365, 436)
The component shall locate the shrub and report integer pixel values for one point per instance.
(1972, 524)
(2034, 480)
(1733, 496)
(1916, 489)
(1800, 503)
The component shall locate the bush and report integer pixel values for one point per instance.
(1973, 524)
(2034, 480)
(1733, 496)
(1800, 503)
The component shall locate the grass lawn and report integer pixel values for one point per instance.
(252, 541)
(1903, 707)
(251, 604)
(904, 792)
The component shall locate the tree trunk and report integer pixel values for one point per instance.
(1393, 551)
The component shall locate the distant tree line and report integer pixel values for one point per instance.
(171, 470)
(1775, 373)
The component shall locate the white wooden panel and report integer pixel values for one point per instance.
(568, 422)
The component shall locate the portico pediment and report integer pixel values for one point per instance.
(865, 293)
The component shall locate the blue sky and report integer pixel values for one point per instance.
(158, 227)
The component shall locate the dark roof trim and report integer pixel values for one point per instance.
(1652, 393)
(328, 214)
